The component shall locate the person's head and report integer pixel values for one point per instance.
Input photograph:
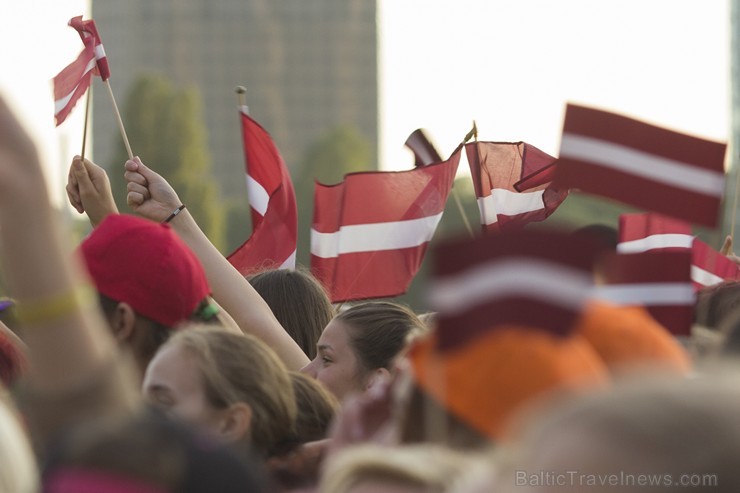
(419, 469)
(316, 408)
(679, 435)
(146, 453)
(148, 280)
(18, 471)
(715, 303)
(628, 339)
(467, 396)
(298, 301)
(360, 344)
(231, 385)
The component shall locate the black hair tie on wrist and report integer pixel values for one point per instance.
(174, 213)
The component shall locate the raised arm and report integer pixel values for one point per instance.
(64, 329)
(88, 190)
(151, 196)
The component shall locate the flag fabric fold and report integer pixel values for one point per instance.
(537, 279)
(497, 169)
(272, 204)
(72, 82)
(660, 281)
(644, 232)
(640, 164)
(370, 232)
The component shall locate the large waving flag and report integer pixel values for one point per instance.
(536, 279)
(653, 232)
(272, 202)
(72, 82)
(659, 281)
(370, 232)
(642, 165)
(512, 183)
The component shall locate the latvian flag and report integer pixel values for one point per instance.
(512, 183)
(658, 281)
(653, 232)
(370, 232)
(272, 202)
(642, 165)
(537, 279)
(72, 82)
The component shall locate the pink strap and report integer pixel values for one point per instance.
(86, 481)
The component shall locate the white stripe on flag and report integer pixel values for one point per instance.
(508, 203)
(258, 196)
(643, 164)
(99, 52)
(703, 277)
(60, 104)
(522, 276)
(374, 237)
(648, 294)
(656, 241)
(289, 262)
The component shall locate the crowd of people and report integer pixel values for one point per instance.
(142, 361)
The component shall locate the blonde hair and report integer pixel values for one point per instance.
(433, 468)
(18, 472)
(241, 368)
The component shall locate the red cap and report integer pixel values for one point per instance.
(146, 265)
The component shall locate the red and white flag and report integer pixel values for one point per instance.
(89, 31)
(509, 197)
(538, 279)
(658, 281)
(72, 82)
(272, 202)
(653, 232)
(643, 165)
(370, 232)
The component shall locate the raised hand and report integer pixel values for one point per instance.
(88, 190)
(149, 194)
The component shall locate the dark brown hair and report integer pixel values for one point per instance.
(378, 331)
(298, 301)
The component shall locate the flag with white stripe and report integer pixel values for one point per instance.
(72, 82)
(537, 279)
(658, 281)
(272, 203)
(88, 30)
(508, 196)
(370, 231)
(645, 232)
(640, 164)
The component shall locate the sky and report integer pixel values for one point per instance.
(511, 65)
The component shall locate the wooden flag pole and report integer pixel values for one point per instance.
(118, 119)
(87, 114)
(472, 134)
(241, 95)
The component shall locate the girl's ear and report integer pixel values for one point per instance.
(236, 422)
(378, 375)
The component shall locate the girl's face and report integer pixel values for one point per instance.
(336, 365)
(173, 382)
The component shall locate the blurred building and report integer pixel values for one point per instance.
(734, 140)
(308, 65)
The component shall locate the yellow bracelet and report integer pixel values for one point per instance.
(54, 307)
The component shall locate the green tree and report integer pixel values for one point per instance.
(339, 151)
(165, 128)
